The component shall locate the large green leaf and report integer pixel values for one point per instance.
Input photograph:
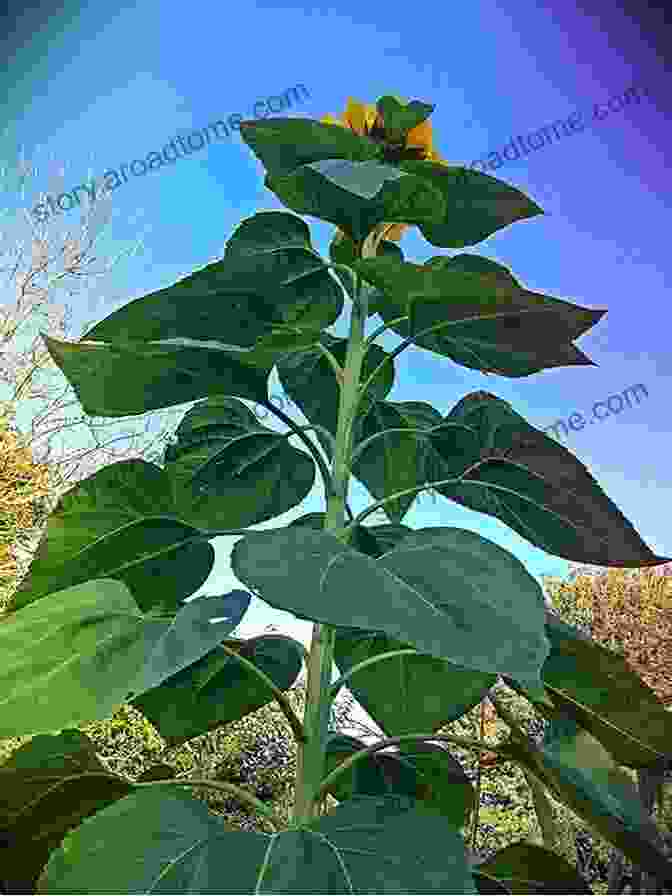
(604, 695)
(49, 786)
(533, 484)
(593, 786)
(120, 523)
(387, 536)
(476, 205)
(309, 380)
(395, 460)
(426, 772)
(114, 380)
(283, 144)
(360, 537)
(528, 868)
(489, 322)
(357, 196)
(170, 843)
(218, 689)
(227, 470)
(447, 592)
(235, 300)
(71, 657)
(409, 693)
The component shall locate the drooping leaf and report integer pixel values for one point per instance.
(447, 592)
(605, 696)
(409, 693)
(120, 523)
(114, 380)
(49, 786)
(593, 786)
(533, 484)
(425, 772)
(217, 689)
(227, 470)
(309, 380)
(172, 844)
(476, 205)
(199, 627)
(283, 144)
(488, 321)
(395, 460)
(357, 196)
(528, 868)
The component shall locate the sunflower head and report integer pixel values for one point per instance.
(380, 123)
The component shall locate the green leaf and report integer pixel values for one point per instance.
(410, 693)
(426, 772)
(236, 300)
(71, 657)
(533, 484)
(217, 689)
(120, 523)
(309, 380)
(283, 144)
(114, 380)
(593, 786)
(268, 232)
(158, 772)
(360, 537)
(476, 205)
(399, 118)
(227, 470)
(489, 322)
(395, 461)
(387, 536)
(172, 844)
(447, 592)
(528, 868)
(603, 694)
(49, 786)
(357, 196)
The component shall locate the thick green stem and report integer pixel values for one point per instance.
(311, 755)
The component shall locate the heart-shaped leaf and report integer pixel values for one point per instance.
(241, 297)
(309, 380)
(357, 196)
(120, 523)
(49, 786)
(394, 460)
(172, 844)
(217, 689)
(426, 772)
(528, 868)
(399, 118)
(476, 205)
(114, 380)
(409, 693)
(536, 486)
(487, 320)
(283, 144)
(447, 592)
(605, 696)
(228, 470)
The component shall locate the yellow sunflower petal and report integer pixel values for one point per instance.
(329, 119)
(359, 117)
(395, 232)
(420, 136)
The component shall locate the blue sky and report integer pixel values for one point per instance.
(97, 88)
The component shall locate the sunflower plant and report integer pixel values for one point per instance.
(421, 623)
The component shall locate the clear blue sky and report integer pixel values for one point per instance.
(96, 88)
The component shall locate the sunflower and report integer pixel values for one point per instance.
(364, 120)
